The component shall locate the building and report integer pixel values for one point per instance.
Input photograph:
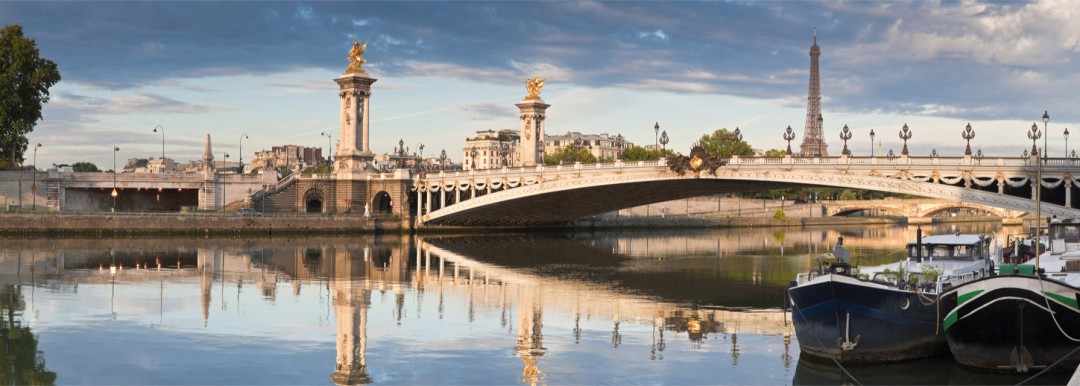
(290, 156)
(601, 146)
(151, 165)
(491, 149)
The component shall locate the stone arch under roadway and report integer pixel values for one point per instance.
(563, 199)
(315, 197)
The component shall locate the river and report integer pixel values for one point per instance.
(636, 307)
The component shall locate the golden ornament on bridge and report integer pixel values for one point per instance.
(356, 57)
(533, 86)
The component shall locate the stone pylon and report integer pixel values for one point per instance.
(354, 92)
(533, 115)
(813, 144)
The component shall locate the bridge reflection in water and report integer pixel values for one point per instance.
(556, 303)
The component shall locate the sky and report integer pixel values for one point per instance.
(448, 69)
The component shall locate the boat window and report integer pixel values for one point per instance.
(963, 251)
(1070, 233)
(940, 251)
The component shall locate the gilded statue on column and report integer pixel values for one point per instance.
(356, 57)
(533, 86)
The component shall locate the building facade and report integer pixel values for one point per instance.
(491, 149)
(290, 156)
(602, 146)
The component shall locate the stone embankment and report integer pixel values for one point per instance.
(189, 224)
(167, 224)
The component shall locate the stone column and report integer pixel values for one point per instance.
(533, 114)
(354, 92)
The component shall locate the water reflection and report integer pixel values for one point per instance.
(598, 308)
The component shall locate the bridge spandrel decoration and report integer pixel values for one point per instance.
(698, 161)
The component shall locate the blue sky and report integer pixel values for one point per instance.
(448, 69)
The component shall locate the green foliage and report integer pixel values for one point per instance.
(723, 144)
(931, 272)
(85, 167)
(284, 171)
(568, 155)
(25, 79)
(321, 169)
(638, 153)
(23, 363)
(779, 214)
(255, 171)
(775, 153)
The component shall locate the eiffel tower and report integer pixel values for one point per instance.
(813, 144)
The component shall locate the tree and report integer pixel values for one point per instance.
(25, 79)
(84, 167)
(775, 153)
(569, 155)
(638, 153)
(723, 144)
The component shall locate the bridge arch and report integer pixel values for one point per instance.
(561, 196)
(315, 197)
(382, 203)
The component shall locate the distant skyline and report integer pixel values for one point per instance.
(448, 69)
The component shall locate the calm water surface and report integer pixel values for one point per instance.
(587, 308)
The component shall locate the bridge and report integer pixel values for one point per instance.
(916, 210)
(559, 194)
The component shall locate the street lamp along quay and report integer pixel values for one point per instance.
(872, 154)
(845, 135)
(114, 194)
(240, 169)
(905, 135)
(33, 188)
(162, 142)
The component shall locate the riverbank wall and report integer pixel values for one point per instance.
(130, 224)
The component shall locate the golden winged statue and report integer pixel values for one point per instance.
(533, 86)
(356, 57)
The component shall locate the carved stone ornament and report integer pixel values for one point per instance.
(698, 161)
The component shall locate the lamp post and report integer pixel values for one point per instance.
(442, 160)
(420, 152)
(162, 141)
(738, 138)
(472, 154)
(401, 152)
(663, 142)
(1046, 120)
(1034, 135)
(905, 135)
(619, 140)
(845, 134)
(1066, 135)
(114, 194)
(223, 189)
(656, 130)
(329, 146)
(788, 136)
(33, 188)
(241, 167)
(968, 134)
(872, 154)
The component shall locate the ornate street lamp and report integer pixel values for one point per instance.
(401, 152)
(114, 194)
(162, 141)
(968, 134)
(329, 147)
(619, 141)
(933, 153)
(241, 167)
(663, 142)
(738, 138)
(33, 188)
(905, 135)
(845, 134)
(872, 143)
(442, 160)
(656, 129)
(979, 154)
(788, 136)
(1034, 135)
(473, 153)
(1046, 119)
(1066, 135)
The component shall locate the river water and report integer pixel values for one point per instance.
(655, 307)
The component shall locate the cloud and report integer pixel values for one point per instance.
(486, 111)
